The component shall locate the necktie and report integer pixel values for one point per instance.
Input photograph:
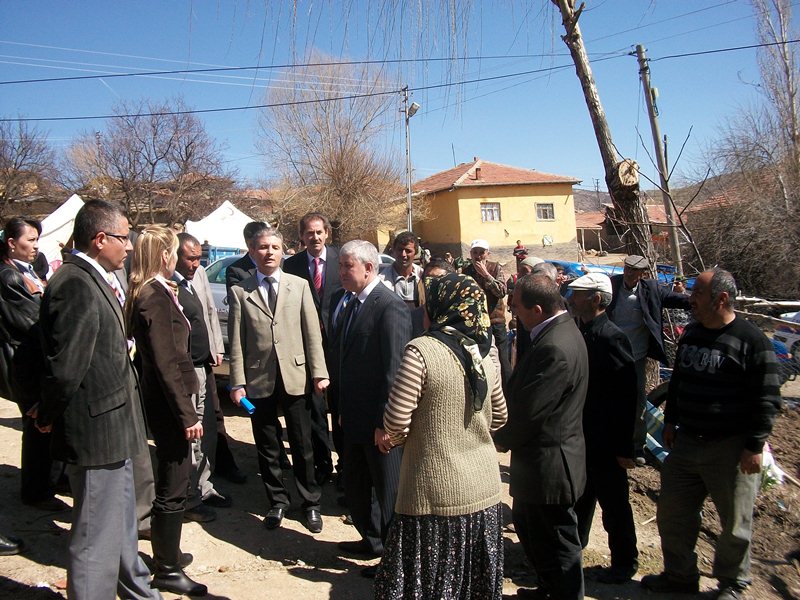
(272, 296)
(114, 283)
(188, 285)
(351, 316)
(318, 276)
(342, 310)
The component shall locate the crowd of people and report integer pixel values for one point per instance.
(412, 365)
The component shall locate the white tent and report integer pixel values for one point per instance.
(222, 228)
(57, 228)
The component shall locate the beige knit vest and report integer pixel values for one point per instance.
(449, 463)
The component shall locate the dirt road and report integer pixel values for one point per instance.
(238, 559)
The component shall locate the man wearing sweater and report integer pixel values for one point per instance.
(722, 401)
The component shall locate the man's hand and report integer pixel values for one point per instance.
(195, 432)
(382, 441)
(320, 385)
(669, 436)
(626, 463)
(480, 269)
(217, 360)
(237, 395)
(750, 462)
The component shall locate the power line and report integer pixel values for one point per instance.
(719, 50)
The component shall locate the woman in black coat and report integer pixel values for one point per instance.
(20, 353)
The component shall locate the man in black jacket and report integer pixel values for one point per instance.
(637, 308)
(544, 434)
(608, 420)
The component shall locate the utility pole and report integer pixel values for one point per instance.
(663, 170)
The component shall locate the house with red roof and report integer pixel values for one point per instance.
(498, 203)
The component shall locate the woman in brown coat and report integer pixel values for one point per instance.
(156, 322)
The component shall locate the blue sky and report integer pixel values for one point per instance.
(535, 121)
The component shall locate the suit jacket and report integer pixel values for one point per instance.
(238, 271)
(203, 289)
(263, 342)
(545, 409)
(298, 265)
(90, 392)
(653, 298)
(161, 332)
(368, 359)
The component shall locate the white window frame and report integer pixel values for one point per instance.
(490, 212)
(541, 207)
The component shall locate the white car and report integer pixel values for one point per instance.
(789, 335)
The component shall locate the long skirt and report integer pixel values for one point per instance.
(443, 558)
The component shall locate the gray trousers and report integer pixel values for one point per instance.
(144, 486)
(693, 470)
(200, 486)
(103, 546)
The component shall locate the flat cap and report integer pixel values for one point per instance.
(634, 261)
(531, 261)
(596, 282)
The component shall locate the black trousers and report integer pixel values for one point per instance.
(36, 468)
(370, 488)
(336, 429)
(607, 483)
(320, 435)
(549, 536)
(268, 444)
(500, 334)
(172, 471)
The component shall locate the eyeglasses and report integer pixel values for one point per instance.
(119, 236)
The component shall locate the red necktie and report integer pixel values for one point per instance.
(318, 276)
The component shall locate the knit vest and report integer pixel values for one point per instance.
(449, 463)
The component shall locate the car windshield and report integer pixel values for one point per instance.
(216, 270)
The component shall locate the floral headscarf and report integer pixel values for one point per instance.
(459, 319)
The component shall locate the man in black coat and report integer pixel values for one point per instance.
(318, 264)
(637, 308)
(545, 436)
(608, 420)
(367, 338)
(91, 403)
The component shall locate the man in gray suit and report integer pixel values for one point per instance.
(90, 402)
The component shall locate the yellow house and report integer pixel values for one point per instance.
(500, 204)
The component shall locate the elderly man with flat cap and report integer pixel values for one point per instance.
(609, 414)
(637, 308)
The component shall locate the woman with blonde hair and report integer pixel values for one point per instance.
(156, 322)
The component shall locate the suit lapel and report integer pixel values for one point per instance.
(285, 290)
(363, 318)
(254, 296)
(102, 284)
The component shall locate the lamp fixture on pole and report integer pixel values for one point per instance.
(409, 110)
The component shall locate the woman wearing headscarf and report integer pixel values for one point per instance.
(156, 322)
(20, 354)
(445, 540)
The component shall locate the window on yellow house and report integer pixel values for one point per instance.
(545, 212)
(490, 211)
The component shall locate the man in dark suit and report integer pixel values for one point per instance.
(318, 264)
(91, 403)
(276, 356)
(367, 338)
(545, 436)
(637, 308)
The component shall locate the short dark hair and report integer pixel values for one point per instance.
(252, 229)
(14, 229)
(184, 238)
(438, 263)
(723, 281)
(313, 216)
(93, 217)
(404, 238)
(539, 290)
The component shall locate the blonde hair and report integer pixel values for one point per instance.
(147, 262)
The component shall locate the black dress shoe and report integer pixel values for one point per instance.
(313, 520)
(10, 546)
(217, 500)
(274, 518)
(360, 547)
(200, 514)
(234, 476)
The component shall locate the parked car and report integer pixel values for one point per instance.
(788, 367)
(789, 335)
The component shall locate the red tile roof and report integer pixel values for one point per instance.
(482, 173)
(589, 220)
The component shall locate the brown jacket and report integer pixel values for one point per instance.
(494, 288)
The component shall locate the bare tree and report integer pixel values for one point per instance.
(753, 227)
(27, 163)
(323, 146)
(152, 161)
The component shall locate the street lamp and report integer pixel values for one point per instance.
(410, 111)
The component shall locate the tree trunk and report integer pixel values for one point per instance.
(622, 177)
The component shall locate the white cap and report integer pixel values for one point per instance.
(596, 282)
(479, 244)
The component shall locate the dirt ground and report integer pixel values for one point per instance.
(238, 559)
